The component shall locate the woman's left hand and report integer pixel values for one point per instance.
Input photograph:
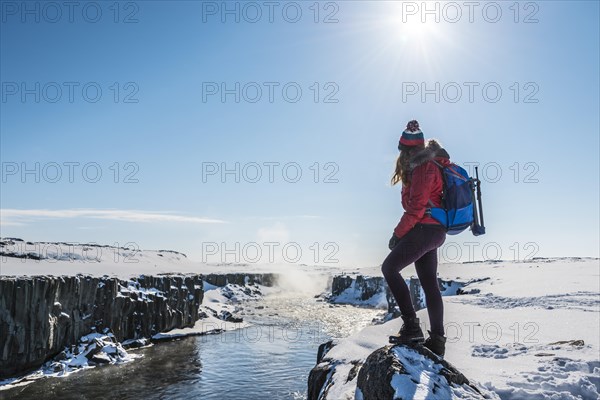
(393, 241)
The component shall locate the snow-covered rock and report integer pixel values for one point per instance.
(90, 351)
(399, 372)
(373, 291)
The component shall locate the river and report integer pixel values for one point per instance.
(270, 359)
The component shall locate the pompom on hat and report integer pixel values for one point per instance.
(412, 135)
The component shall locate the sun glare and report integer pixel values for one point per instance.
(411, 30)
(417, 41)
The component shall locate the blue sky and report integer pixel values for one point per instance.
(361, 70)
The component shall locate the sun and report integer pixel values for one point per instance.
(417, 42)
(410, 25)
(412, 30)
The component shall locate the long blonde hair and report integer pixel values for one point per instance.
(402, 172)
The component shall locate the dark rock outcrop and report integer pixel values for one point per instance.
(374, 378)
(391, 372)
(323, 349)
(340, 283)
(240, 279)
(320, 374)
(395, 372)
(317, 381)
(41, 315)
(365, 287)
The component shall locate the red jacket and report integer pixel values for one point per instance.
(426, 184)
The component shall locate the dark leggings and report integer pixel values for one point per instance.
(420, 246)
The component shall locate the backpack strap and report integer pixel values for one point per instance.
(453, 172)
(429, 202)
(438, 164)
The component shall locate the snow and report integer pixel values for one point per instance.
(98, 260)
(104, 348)
(141, 292)
(218, 303)
(531, 333)
(205, 326)
(422, 379)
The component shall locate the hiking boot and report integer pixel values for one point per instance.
(410, 332)
(436, 343)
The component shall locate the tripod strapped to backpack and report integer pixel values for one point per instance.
(477, 228)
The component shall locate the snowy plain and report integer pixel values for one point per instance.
(524, 330)
(52, 258)
(531, 330)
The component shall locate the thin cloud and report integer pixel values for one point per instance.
(11, 216)
(10, 223)
(284, 217)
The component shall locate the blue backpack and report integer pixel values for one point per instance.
(459, 209)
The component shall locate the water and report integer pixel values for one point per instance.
(268, 360)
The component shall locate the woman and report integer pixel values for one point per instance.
(417, 236)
